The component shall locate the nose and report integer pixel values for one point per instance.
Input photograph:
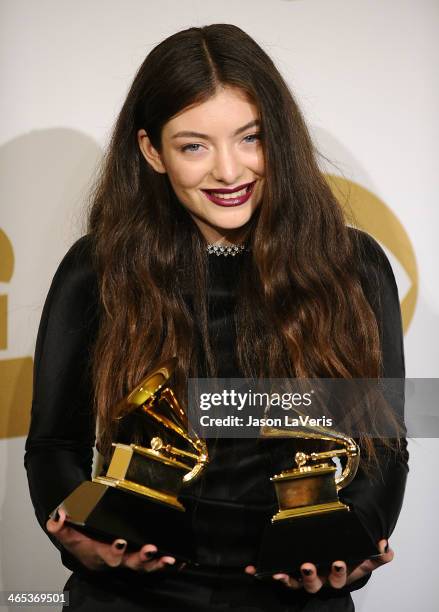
(227, 166)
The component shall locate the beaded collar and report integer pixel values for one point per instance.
(233, 249)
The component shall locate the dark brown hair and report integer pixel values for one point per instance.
(301, 309)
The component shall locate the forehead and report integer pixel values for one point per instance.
(224, 112)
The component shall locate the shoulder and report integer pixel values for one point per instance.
(77, 266)
(369, 252)
(74, 287)
(373, 266)
(79, 257)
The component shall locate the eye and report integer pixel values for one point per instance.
(253, 137)
(193, 147)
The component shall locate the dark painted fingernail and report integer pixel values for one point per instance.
(149, 554)
(120, 545)
(386, 548)
(338, 568)
(307, 572)
(57, 516)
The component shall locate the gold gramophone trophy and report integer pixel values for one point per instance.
(137, 499)
(312, 524)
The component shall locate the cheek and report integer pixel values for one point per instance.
(186, 176)
(259, 164)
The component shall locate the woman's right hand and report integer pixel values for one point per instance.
(97, 555)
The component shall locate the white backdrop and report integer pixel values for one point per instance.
(366, 74)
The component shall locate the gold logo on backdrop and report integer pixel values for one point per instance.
(365, 210)
(15, 374)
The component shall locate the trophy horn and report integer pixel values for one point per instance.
(155, 399)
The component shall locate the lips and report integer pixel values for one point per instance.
(217, 196)
(233, 190)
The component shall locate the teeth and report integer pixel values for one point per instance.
(230, 196)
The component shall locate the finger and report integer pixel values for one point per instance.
(310, 579)
(55, 524)
(142, 561)
(154, 564)
(160, 563)
(370, 565)
(111, 555)
(136, 560)
(167, 560)
(387, 553)
(288, 581)
(66, 534)
(338, 575)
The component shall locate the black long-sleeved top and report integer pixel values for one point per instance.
(226, 503)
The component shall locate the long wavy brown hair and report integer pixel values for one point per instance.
(301, 309)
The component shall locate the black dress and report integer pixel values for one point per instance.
(227, 503)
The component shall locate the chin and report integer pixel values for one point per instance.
(227, 227)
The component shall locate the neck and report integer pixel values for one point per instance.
(231, 238)
(226, 243)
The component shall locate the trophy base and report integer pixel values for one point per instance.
(106, 512)
(315, 538)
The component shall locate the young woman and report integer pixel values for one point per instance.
(210, 149)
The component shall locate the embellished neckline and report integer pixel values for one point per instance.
(226, 250)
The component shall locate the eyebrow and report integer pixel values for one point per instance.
(190, 134)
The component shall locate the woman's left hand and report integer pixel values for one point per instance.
(338, 577)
